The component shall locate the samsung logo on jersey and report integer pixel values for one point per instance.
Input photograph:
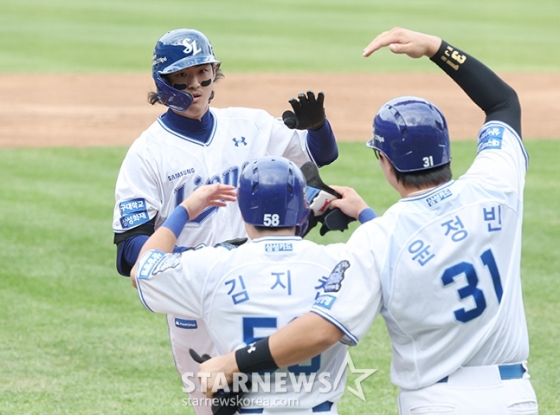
(325, 301)
(279, 247)
(438, 197)
(182, 173)
(186, 324)
(491, 138)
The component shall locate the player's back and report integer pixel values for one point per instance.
(261, 287)
(450, 274)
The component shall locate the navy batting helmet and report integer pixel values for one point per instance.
(271, 193)
(412, 133)
(177, 50)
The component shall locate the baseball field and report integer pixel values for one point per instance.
(74, 338)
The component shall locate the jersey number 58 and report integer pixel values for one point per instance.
(252, 323)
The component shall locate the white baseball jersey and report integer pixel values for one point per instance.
(246, 294)
(162, 168)
(443, 268)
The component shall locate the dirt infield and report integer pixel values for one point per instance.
(105, 110)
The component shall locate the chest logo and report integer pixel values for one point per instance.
(237, 142)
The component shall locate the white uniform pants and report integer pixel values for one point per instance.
(184, 335)
(472, 390)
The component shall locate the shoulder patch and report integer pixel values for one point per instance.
(325, 301)
(134, 212)
(156, 262)
(490, 138)
(334, 282)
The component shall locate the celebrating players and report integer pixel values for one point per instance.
(442, 266)
(254, 289)
(193, 144)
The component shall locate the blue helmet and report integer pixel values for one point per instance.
(271, 193)
(177, 50)
(412, 133)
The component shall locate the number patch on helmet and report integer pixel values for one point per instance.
(271, 219)
(428, 161)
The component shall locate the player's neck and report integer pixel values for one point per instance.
(418, 192)
(255, 233)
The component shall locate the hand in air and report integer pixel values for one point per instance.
(308, 112)
(404, 41)
(209, 195)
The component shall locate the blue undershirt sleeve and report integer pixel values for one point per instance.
(322, 145)
(127, 253)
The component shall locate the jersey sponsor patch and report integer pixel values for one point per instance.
(334, 282)
(278, 247)
(133, 213)
(182, 173)
(490, 138)
(325, 301)
(186, 324)
(438, 197)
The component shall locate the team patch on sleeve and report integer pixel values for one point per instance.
(133, 213)
(490, 138)
(325, 301)
(155, 262)
(334, 282)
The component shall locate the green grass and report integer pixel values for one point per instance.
(66, 36)
(75, 339)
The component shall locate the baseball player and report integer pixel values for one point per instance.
(193, 144)
(442, 265)
(254, 289)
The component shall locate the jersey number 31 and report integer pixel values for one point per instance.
(471, 289)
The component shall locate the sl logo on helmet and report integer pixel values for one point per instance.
(190, 46)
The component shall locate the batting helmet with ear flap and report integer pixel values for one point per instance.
(412, 133)
(174, 51)
(271, 193)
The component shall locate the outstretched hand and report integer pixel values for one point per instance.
(308, 113)
(404, 41)
(209, 195)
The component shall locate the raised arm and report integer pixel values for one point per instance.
(165, 237)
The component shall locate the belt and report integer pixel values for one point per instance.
(322, 407)
(506, 372)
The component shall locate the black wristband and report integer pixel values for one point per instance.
(255, 358)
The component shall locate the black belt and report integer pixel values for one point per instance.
(322, 407)
(506, 372)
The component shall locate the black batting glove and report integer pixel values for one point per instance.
(308, 113)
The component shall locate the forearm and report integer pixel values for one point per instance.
(165, 238)
(303, 339)
(300, 340)
(484, 87)
(322, 145)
